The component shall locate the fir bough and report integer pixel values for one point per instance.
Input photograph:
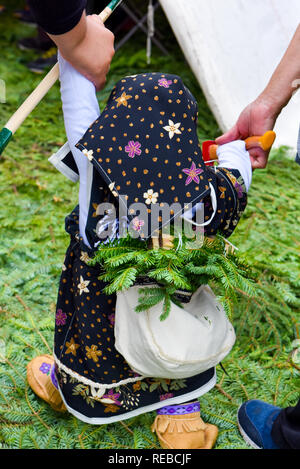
(126, 261)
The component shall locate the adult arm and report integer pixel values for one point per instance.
(261, 115)
(82, 40)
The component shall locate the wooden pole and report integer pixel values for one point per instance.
(40, 91)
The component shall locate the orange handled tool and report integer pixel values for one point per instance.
(209, 148)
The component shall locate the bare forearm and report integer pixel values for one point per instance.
(286, 78)
(88, 47)
(261, 115)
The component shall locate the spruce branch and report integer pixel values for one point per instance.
(124, 261)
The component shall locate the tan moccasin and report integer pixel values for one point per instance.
(184, 432)
(38, 376)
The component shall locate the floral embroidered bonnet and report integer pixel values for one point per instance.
(145, 144)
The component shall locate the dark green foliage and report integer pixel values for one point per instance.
(34, 201)
(126, 260)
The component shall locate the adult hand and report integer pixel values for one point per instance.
(89, 47)
(256, 119)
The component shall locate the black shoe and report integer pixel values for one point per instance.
(25, 16)
(34, 43)
(46, 61)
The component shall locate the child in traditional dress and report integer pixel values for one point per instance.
(144, 145)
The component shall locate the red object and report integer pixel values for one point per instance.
(205, 151)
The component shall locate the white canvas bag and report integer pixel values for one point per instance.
(190, 341)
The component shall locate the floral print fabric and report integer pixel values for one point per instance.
(94, 379)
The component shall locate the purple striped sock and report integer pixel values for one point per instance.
(181, 409)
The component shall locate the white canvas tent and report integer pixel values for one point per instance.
(233, 48)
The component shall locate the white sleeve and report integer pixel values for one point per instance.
(234, 155)
(79, 103)
(80, 109)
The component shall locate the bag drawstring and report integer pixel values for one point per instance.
(214, 206)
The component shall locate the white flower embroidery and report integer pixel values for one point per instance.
(151, 197)
(111, 188)
(173, 128)
(64, 268)
(89, 154)
(107, 401)
(97, 394)
(83, 286)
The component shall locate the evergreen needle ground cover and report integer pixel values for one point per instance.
(35, 198)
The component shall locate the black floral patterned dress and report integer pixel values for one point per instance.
(144, 146)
